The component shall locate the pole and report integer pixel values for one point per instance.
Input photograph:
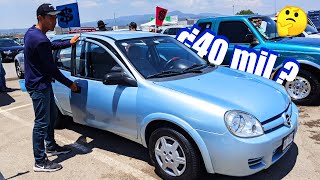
(233, 9)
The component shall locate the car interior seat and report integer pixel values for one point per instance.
(138, 57)
(101, 63)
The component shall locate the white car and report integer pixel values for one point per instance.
(171, 30)
(309, 32)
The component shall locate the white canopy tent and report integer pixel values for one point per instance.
(153, 23)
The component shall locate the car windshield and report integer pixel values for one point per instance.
(265, 26)
(8, 43)
(159, 55)
(311, 30)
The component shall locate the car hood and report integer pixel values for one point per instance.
(235, 90)
(12, 48)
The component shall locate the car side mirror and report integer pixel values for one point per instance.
(119, 78)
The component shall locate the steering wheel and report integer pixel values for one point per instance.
(170, 62)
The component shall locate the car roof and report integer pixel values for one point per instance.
(115, 35)
(237, 17)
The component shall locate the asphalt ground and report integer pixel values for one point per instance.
(98, 154)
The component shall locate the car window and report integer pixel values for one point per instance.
(235, 31)
(8, 43)
(166, 31)
(173, 31)
(63, 58)
(99, 61)
(80, 69)
(155, 55)
(204, 26)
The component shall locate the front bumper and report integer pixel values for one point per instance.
(235, 156)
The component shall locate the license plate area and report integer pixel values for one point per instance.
(287, 141)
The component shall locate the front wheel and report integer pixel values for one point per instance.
(174, 156)
(19, 71)
(305, 89)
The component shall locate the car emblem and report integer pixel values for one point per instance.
(287, 120)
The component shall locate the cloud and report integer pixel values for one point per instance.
(113, 1)
(88, 4)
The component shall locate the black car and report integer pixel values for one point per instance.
(9, 49)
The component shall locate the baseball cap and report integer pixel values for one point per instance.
(133, 24)
(47, 9)
(100, 23)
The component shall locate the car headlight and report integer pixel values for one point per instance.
(243, 124)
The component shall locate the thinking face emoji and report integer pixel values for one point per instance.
(291, 21)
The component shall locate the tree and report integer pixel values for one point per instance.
(245, 12)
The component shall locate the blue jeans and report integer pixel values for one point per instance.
(2, 77)
(45, 115)
(2, 81)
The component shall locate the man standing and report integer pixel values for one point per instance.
(101, 26)
(133, 26)
(40, 71)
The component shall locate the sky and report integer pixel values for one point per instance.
(22, 13)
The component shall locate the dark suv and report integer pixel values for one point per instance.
(9, 49)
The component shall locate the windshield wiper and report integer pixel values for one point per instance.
(173, 73)
(194, 67)
(165, 74)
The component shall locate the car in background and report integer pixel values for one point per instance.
(309, 32)
(19, 40)
(9, 48)
(315, 18)
(240, 30)
(189, 113)
(19, 64)
(171, 30)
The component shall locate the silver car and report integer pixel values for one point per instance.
(19, 64)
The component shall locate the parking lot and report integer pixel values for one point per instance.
(102, 155)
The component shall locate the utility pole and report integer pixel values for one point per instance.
(233, 9)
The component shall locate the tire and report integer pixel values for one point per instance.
(62, 121)
(19, 72)
(191, 167)
(308, 90)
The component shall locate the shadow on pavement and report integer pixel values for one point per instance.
(19, 174)
(110, 142)
(103, 140)
(5, 99)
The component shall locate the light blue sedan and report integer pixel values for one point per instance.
(190, 114)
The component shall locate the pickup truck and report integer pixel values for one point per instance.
(240, 30)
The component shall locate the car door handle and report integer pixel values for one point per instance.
(78, 90)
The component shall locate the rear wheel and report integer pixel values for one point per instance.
(173, 155)
(305, 89)
(19, 72)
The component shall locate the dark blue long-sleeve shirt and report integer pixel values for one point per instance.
(38, 60)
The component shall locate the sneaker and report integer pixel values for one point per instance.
(47, 166)
(57, 150)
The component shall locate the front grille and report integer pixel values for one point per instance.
(277, 121)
